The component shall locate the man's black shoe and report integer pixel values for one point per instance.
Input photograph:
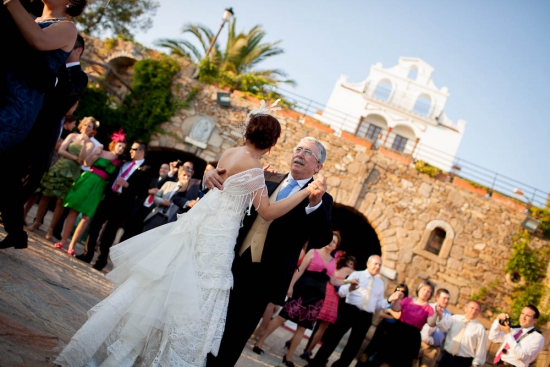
(81, 257)
(18, 242)
(98, 266)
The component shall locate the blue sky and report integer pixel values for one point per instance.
(494, 56)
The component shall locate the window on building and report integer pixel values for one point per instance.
(372, 132)
(422, 106)
(413, 74)
(399, 143)
(435, 241)
(382, 91)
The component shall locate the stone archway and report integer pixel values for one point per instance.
(358, 236)
(158, 156)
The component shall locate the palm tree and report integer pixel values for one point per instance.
(235, 65)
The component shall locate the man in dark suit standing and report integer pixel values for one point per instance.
(122, 195)
(267, 252)
(134, 224)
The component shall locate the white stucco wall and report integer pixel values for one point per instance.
(438, 136)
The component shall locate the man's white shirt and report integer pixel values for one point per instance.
(522, 353)
(474, 339)
(355, 297)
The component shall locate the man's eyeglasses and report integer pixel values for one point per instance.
(307, 152)
(134, 149)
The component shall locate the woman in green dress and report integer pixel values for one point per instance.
(60, 177)
(87, 191)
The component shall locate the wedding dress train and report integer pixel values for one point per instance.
(173, 285)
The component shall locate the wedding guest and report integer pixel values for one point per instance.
(329, 311)
(362, 300)
(57, 182)
(415, 312)
(520, 345)
(87, 192)
(466, 341)
(433, 337)
(129, 185)
(134, 224)
(388, 320)
(69, 123)
(172, 198)
(306, 296)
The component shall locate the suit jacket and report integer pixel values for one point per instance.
(286, 237)
(178, 200)
(156, 182)
(138, 185)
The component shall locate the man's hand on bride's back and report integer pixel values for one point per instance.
(213, 179)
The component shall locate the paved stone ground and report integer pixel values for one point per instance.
(44, 296)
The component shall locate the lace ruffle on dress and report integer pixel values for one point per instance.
(173, 285)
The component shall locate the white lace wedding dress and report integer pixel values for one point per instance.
(173, 285)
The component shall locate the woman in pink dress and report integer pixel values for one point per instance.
(306, 296)
(405, 335)
(329, 311)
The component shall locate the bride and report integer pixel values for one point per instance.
(173, 281)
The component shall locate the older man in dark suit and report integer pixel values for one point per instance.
(127, 189)
(267, 252)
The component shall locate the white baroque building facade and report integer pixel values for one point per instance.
(397, 108)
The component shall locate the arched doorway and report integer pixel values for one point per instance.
(358, 237)
(158, 156)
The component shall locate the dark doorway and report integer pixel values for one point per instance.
(358, 237)
(156, 157)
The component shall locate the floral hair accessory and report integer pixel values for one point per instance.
(264, 109)
(119, 136)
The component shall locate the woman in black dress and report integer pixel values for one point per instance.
(306, 295)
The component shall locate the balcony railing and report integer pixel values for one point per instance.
(451, 165)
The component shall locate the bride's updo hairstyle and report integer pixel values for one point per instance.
(263, 131)
(75, 7)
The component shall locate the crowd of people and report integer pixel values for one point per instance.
(187, 262)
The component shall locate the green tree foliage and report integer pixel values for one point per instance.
(235, 65)
(149, 103)
(543, 215)
(119, 17)
(530, 264)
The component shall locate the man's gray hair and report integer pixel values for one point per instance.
(322, 151)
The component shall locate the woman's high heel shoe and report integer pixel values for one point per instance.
(58, 245)
(287, 363)
(70, 252)
(305, 356)
(258, 350)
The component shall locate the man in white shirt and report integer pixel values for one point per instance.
(520, 345)
(433, 337)
(466, 341)
(356, 314)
